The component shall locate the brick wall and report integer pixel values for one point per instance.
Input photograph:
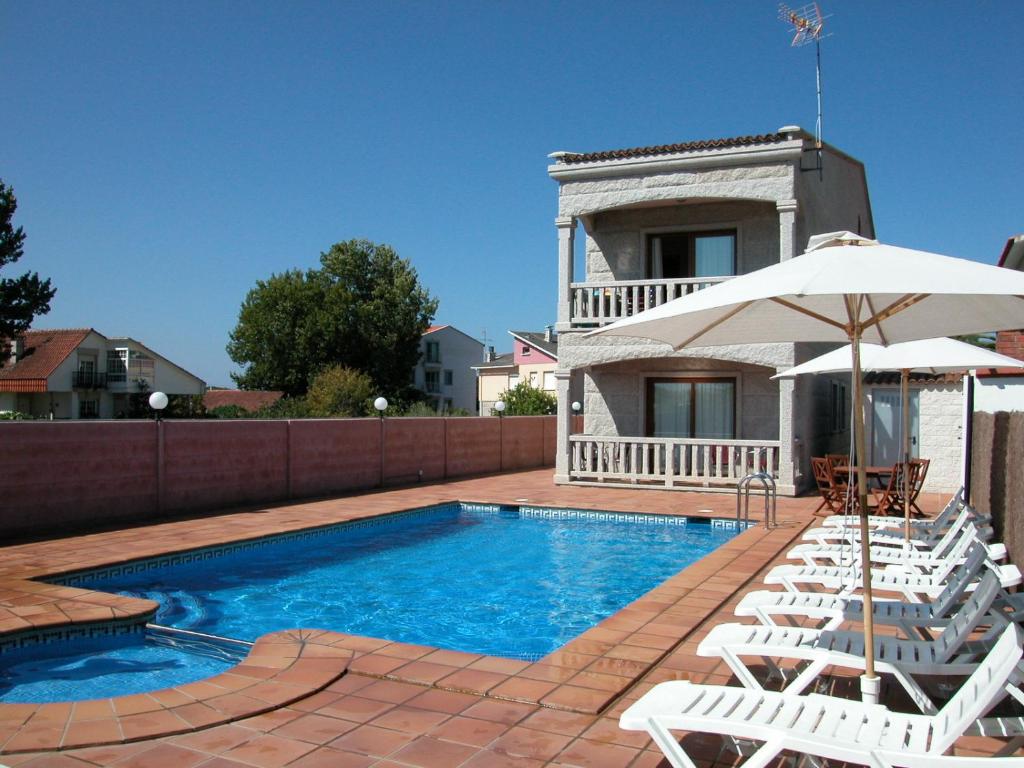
(77, 474)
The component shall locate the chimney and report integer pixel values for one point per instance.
(489, 355)
(548, 333)
(16, 350)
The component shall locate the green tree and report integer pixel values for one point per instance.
(364, 308)
(24, 297)
(341, 391)
(983, 340)
(524, 400)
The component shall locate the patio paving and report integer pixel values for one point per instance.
(317, 698)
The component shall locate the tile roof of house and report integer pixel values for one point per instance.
(249, 399)
(892, 378)
(43, 351)
(537, 340)
(433, 328)
(569, 158)
(504, 360)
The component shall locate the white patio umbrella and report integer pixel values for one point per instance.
(932, 356)
(844, 288)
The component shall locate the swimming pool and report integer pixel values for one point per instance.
(114, 664)
(517, 582)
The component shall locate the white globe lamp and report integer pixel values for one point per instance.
(158, 401)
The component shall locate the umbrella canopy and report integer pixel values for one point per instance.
(844, 288)
(924, 356)
(906, 295)
(934, 356)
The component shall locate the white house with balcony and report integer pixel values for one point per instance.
(79, 373)
(661, 222)
(444, 373)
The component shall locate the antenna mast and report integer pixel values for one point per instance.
(807, 24)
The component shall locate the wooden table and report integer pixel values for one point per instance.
(879, 474)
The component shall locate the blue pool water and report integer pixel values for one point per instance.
(484, 580)
(99, 667)
(476, 578)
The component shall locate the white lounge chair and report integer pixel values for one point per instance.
(833, 610)
(892, 552)
(890, 521)
(920, 538)
(825, 726)
(949, 654)
(845, 579)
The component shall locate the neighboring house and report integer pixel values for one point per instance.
(661, 222)
(250, 400)
(1003, 388)
(534, 358)
(495, 375)
(445, 371)
(81, 374)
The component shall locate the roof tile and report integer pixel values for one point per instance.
(43, 352)
(572, 158)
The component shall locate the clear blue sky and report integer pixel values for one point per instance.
(166, 156)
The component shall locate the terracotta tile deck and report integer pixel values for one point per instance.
(314, 698)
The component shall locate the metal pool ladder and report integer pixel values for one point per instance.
(743, 498)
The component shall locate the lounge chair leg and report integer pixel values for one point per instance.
(668, 745)
(916, 692)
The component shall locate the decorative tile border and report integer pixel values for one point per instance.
(70, 633)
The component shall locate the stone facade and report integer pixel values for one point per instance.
(760, 192)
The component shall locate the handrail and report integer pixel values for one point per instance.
(743, 493)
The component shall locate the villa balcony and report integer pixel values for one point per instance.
(88, 380)
(669, 461)
(598, 303)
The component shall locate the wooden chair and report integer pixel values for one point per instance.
(919, 470)
(837, 460)
(888, 500)
(833, 493)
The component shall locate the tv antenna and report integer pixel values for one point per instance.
(808, 24)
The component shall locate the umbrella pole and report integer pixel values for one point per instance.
(869, 681)
(905, 414)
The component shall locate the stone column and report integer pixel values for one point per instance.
(564, 421)
(566, 242)
(789, 448)
(787, 229)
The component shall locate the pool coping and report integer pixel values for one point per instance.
(585, 676)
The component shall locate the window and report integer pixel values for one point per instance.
(88, 409)
(691, 254)
(513, 381)
(533, 379)
(433, 381)
(526, 351)
(448, 378)
(433, 352)
(549, 381)
(117, 365)
(840, 407)
(702, 408)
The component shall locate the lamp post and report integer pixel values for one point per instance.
(576, 408)
(500, 408)
(381, 404)
(158, 401)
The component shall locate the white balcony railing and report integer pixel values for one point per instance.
(669, 461)
(598, 303)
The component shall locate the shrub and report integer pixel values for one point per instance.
(524, 400)
(341, 391)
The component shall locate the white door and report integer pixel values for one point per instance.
(886, 435)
